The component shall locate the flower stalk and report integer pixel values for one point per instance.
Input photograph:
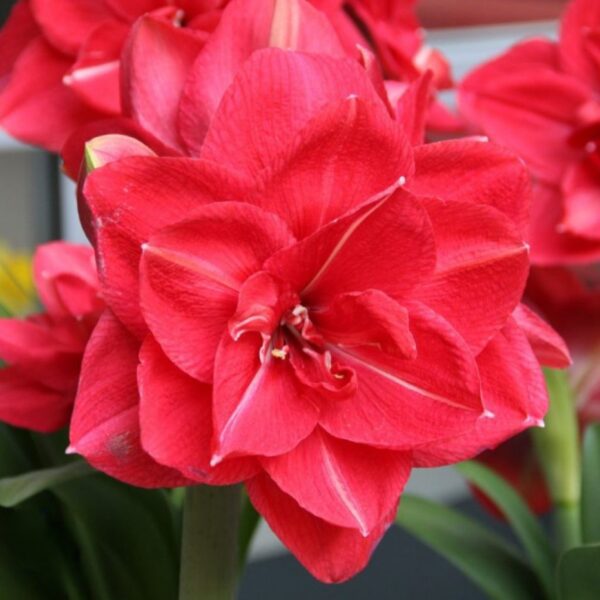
(209, 553)
(558, 449)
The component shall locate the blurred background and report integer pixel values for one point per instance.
(37, 203)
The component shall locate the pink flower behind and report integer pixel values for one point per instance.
(44, 351)
(541, 100)
(60, 60)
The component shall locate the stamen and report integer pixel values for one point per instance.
(281, 353)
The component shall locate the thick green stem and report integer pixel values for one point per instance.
(209, 552)
(558, 449)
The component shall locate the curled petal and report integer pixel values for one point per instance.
(128, 201)
(191, 275)
(176, 421)
(514, 395)
(346, 484)
(259, 407)
(332, 554)
(396, 398)
(549, 348)
(105, 428)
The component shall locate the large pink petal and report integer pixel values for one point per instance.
(26, 403)
(176, 421)
(349, 152)
(66, 279)
(156, 62)
(35, 106)
(549, 348)
(369, 318)
(481, 270)
(402, 403)
(259, 408)
(521, 100)
(246, 26)
(105, 427)
(135, 197)
(387, 245)
(95, 75)
(473, 171)
(67, 23)
(290, 88)
(578, 34)
(191, 274)
(332, 554)
(514, 394)
(345, 484)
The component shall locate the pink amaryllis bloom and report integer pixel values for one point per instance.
(311, 307)
(60, 60)
(541, 100)
(44, 351)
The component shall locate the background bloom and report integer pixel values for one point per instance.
(44, 351)
(60, 60)
(540, 100)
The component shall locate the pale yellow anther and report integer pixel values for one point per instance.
(279, 353)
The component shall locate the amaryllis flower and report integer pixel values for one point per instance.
(44, 351)
(541, 100)
(60, 59)
(310, 307)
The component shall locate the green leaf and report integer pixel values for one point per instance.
(523, 522)
(127, 538)
(14, 490)
(487, 559)
(590, 485)
(578, 573)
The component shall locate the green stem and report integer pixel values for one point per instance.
(558, 449)
(567, 520)
(209, 553)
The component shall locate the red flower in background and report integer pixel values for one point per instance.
(541, 100)
(317, 307)
(60, 59)
(44, 351)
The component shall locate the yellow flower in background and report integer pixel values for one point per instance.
(17, 291)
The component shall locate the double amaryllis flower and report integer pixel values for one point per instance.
(541, 100)
(44, 351)
(312, 306)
